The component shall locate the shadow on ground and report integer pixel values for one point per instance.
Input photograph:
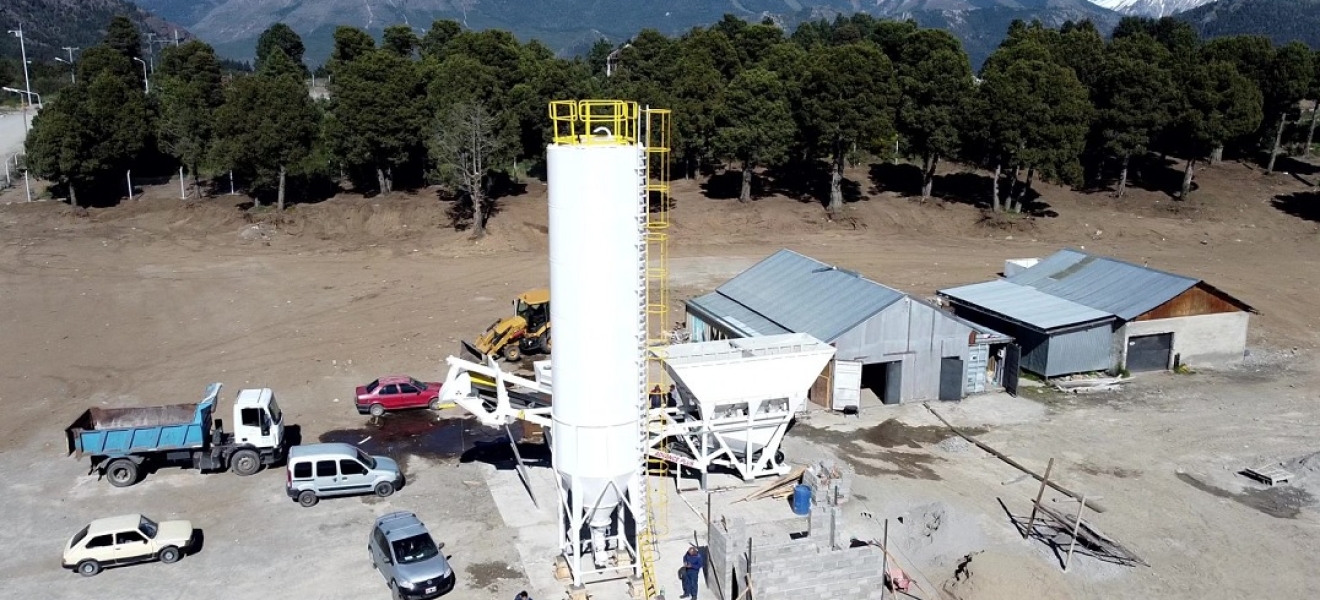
(1305, 205)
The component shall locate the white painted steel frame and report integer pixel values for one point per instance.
(769, 375)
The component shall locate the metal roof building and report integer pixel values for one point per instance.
(1077, 312)
(898, 347)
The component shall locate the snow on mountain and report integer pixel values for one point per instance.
(1150, 8)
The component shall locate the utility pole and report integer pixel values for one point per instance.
(27, 80)
(151, 49)
(73, 78)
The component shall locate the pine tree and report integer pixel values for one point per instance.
(936, 79)
(266, 129)
(848, 100)
(754, 124)
(189, 93)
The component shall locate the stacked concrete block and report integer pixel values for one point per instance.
(830, 484)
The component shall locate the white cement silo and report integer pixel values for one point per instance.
(597, 288)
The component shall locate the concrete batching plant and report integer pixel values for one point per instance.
(608, 203)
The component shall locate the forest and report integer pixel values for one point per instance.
(786, 113)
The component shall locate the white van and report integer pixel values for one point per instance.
(318, 471)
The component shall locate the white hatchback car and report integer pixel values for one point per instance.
(126, 539)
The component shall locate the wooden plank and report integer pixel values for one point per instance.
(1091, 504)
(795, 474)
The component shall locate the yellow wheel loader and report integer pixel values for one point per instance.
(526, 332)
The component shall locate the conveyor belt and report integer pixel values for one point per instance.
(520, 400)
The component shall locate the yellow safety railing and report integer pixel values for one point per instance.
(592, 122)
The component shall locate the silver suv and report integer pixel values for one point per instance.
(319, 470)
(402, 550)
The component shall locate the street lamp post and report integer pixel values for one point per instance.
(73, 78)
(146, 80)
(27, 80)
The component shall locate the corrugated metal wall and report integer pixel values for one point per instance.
(1052, 355)
(1034, 343)
(917, 334)
(1081, 351)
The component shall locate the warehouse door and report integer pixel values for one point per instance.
(951, 378)
(1149, 352)
(847, 385)
(885, 380)
(1012, 358)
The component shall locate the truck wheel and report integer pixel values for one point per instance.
(88, 568)
(435, 404)
(511, 352)
(122, 473)
(169, 554)
(384, 489)
(377, 410)
(245, 462)
(308, 498)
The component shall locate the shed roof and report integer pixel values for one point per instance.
(744, 321)
(1106, 284)
(1025, 304)
(803, 295)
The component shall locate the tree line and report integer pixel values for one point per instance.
(468, 108)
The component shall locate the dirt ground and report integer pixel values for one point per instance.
(146, 302)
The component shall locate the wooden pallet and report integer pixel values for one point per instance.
(1271, 475)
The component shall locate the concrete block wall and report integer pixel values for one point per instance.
(850, 574)
(1205, 340)
(726, 546)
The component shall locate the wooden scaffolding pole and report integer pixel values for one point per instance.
(1091, 504)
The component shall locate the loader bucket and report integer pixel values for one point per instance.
(470, 352)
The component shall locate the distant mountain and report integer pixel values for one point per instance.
(1280, 20)
(1150, 8)
(571, 26)
(50, 25)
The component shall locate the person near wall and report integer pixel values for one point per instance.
(692, 565)
(522, 596)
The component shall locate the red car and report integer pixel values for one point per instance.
(395, 393)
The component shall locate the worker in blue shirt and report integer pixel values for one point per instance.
(522, 596)
(692, 565)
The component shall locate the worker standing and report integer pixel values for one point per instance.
(692, 565)
(522, 596)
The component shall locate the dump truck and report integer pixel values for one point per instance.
(124, 442)
(526, 332)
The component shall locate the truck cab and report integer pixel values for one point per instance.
(258, 421)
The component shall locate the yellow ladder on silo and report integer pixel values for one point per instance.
(655, 199)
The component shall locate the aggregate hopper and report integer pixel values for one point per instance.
(733, 400)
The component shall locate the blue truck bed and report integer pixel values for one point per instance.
(125, 431)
